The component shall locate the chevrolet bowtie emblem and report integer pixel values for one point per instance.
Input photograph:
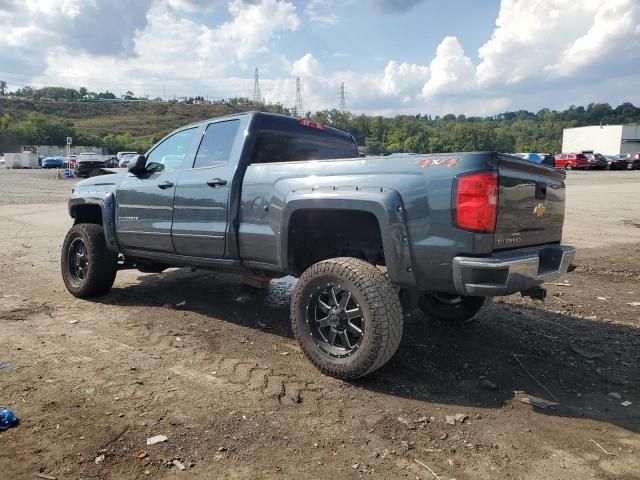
(539, 210)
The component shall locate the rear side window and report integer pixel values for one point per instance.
(284, 140)
(217, 143)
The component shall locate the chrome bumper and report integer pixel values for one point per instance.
(513, 271)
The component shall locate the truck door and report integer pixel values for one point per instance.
(145, 202)
(200, 218)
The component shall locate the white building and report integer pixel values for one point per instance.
(606, 139)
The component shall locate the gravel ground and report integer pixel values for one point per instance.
(212, 365)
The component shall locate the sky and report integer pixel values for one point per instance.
(472, 57)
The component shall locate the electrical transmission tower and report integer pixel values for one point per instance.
(257, 96)
(343, 99)
(3, 87)
(298, 109)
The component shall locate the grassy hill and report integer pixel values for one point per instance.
(140, 119)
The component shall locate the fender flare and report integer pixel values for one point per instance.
(384, 203)
(107, 207)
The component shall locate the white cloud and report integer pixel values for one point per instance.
(321, 12)
(535, 39)
(252, 27)
(451, 70)
(404, 78)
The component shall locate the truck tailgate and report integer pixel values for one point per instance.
(531, 201)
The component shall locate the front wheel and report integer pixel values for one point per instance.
(346, 316)
(568, 166)
(449, 308)
(88, 267)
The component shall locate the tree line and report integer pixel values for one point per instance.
(519, 131)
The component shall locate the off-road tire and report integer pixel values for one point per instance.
(101, 265)
(452, 313)
(381, 313)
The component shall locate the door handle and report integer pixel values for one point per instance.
(165, 184)
(216, 182)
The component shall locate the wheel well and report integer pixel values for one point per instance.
(319, 234)
(88, 214)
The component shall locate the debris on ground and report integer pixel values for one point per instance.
(406, 422)
(140, 454)
(586, 353)
(538, 402)
(178, 464)
(181, 304)
(99, 459)
(455, 419)
(563, 284)
(3, 365)
(73, 322)
(634, 304)
(7, 419)
(600, 447)
(156, 439)
(626, 403)
(615, 395)
(45, 476)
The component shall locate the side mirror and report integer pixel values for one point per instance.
(137, 166)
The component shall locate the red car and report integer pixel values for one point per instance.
(569, 161)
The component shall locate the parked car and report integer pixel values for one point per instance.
(627, 161)
(597, 160)
(532, 157)
(126, 159)
(569, 161)
(293, 197)
(119, 155)
(88, 163)
(53, 162)
(539, 158)
(112, 162)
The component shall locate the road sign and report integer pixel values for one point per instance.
(69, 140)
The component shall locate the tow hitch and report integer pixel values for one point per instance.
(536, 293)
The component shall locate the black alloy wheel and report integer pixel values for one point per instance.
(336, 321)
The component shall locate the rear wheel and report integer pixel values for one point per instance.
(629, 166)
(88, 267)
(346, 316)
(450, 308)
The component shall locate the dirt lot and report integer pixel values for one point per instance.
(212, 365)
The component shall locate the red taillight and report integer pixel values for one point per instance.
(305, 122)
(476, 201)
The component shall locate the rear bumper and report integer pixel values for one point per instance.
(512, 271)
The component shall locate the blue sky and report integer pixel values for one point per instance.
(394, 56)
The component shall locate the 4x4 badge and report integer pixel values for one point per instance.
(539, 210)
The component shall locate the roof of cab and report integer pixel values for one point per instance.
(255, 113)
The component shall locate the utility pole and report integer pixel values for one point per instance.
(3, 87)
(257, 96)
(343, 100)
(298, 108)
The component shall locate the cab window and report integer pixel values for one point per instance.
(217, 143)
(171, 153)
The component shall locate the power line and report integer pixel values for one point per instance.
(343, 100)
(298, 109)
(257, 96)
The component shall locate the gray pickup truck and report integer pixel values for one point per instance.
(269, 196)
